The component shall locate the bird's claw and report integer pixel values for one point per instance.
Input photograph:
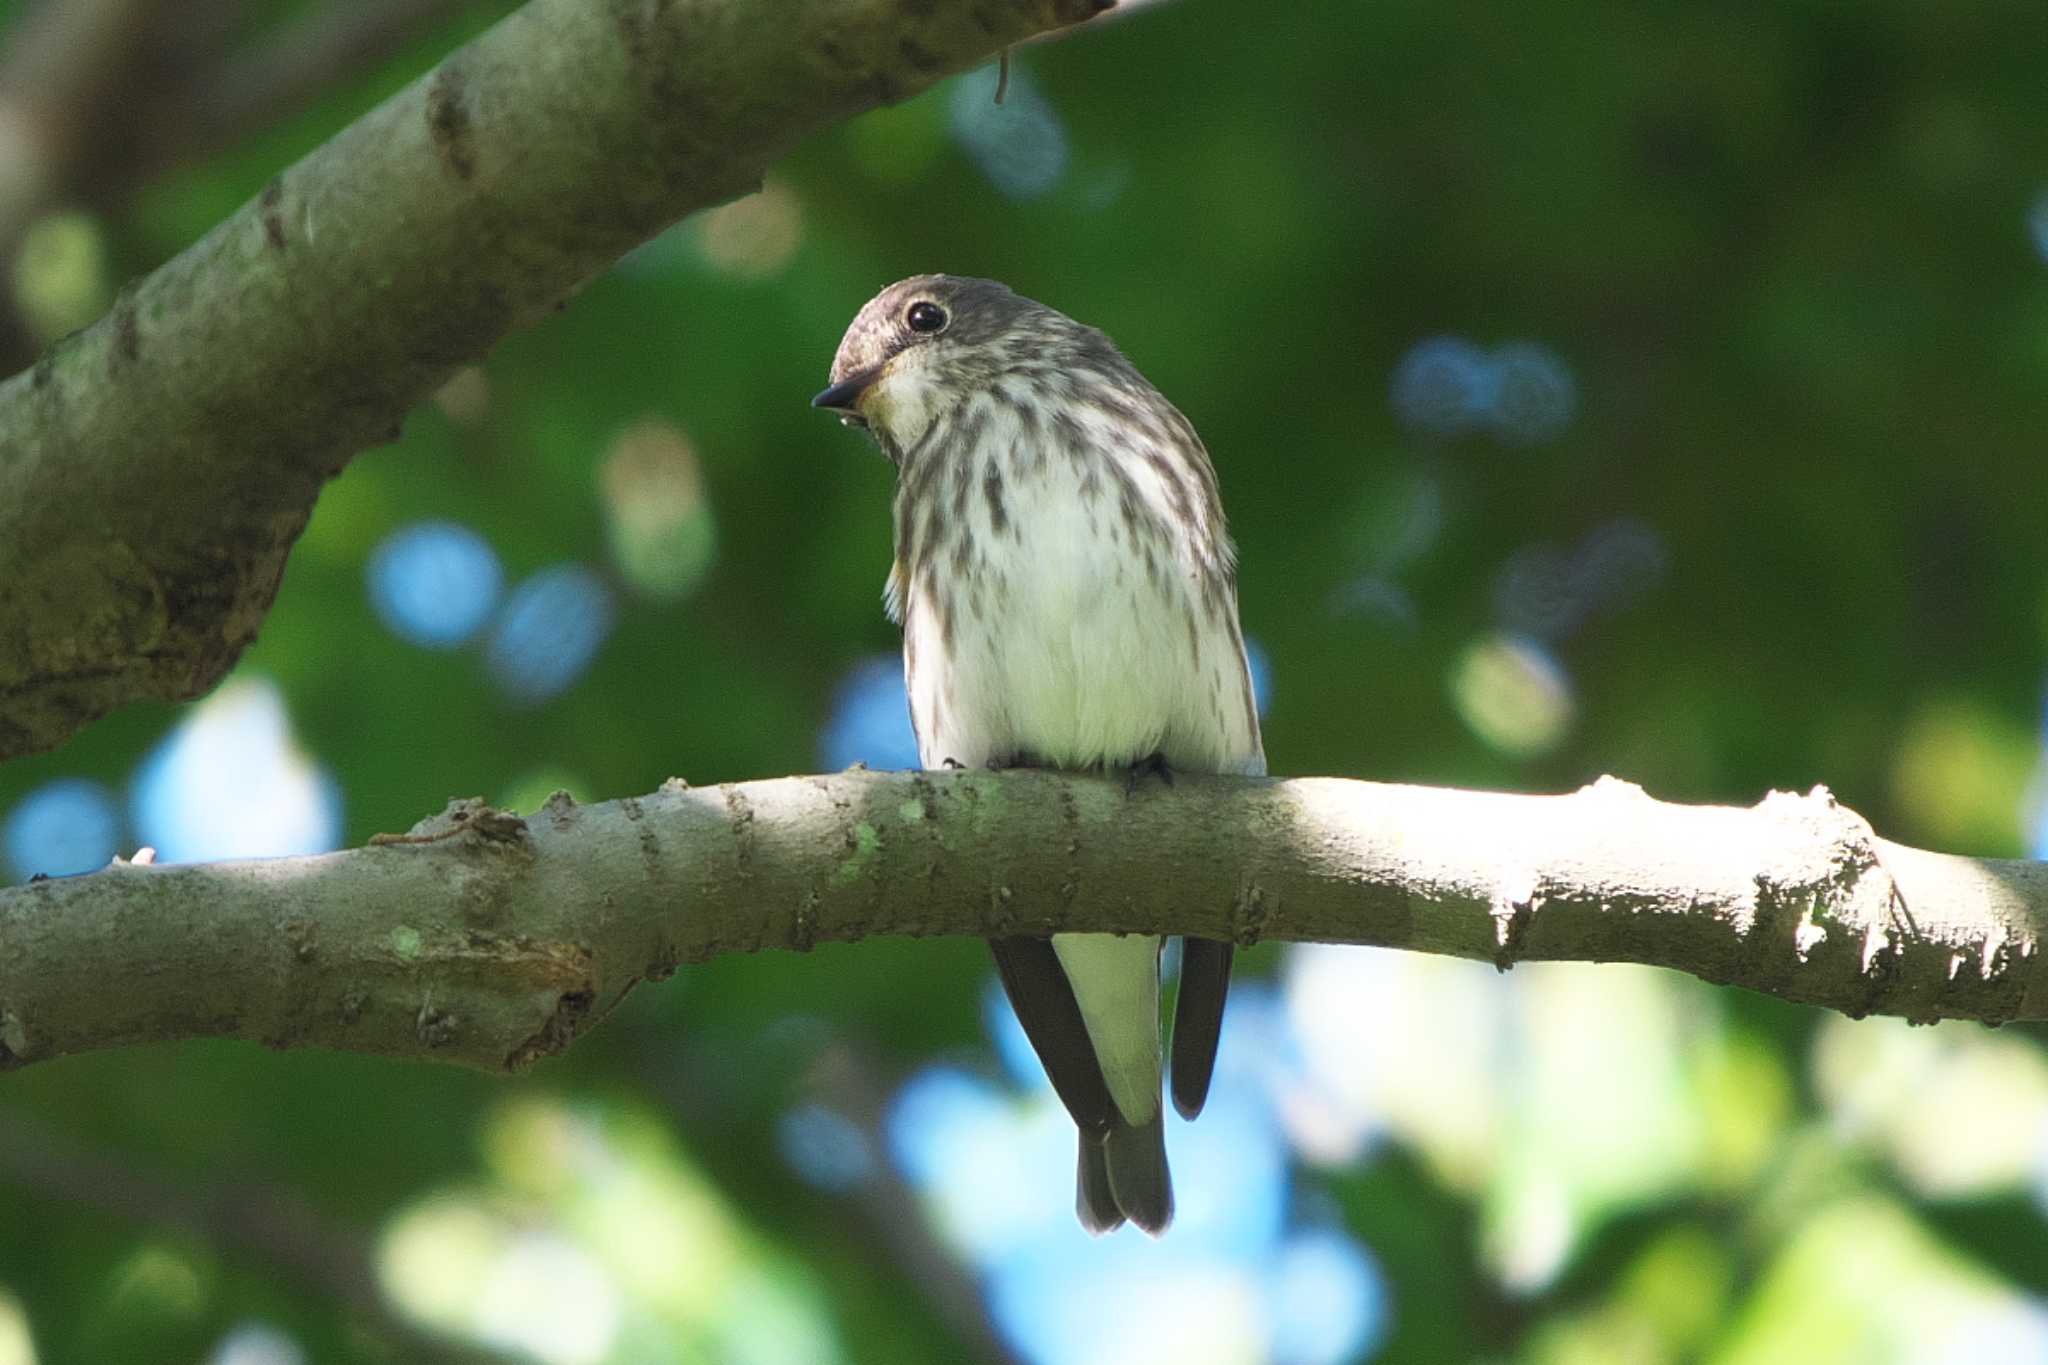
(1152, 765)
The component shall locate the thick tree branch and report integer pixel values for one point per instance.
(156, 467)
(490, 940)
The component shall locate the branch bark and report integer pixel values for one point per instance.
(491, 940)
(156, 468)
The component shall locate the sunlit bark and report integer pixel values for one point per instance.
(492, 940)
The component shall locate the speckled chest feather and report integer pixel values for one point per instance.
(1064, 579)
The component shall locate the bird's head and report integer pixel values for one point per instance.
(921, 346)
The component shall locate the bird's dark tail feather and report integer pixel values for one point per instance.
(1094, 1201)
(1044, 1001)
(1135, 1160)
(1122, 1169)
(1123, 1174)
(1198, 1020)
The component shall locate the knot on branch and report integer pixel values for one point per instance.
(493, 828)
(1820, 883)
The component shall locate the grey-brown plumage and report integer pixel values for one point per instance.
(1068, 597)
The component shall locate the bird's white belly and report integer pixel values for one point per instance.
(1054, 614)
(1072, 652)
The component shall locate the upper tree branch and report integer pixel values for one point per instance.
(156, 468)
(494, 945)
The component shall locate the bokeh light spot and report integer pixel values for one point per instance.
(63, 827)
(1959, 1113)
(17, 1346)
(257, 1343)
(157, 1281)
(1619, 563)
(1544, 592)
(1513, 694)
(434, 583)
(2011, 1330)
(997, 1167)
(462, 1264)
(608, 1183)
(547, 1296)
(1961, 774)
(2037, 807)
(1231, 1174)
(870, 719)
(1522, 392)
(825, 1147)
(1260, 663)
(1534, 396)
(1328, 1301)
(1377, 600)
(983, 1162)
(1110, 1304)
(1442, 387)
(1535, 594)
(754, 237)
(232, 782)
(662, 534)
(60, 273)
(1861, 1277)
(551, 628)
(465, 398)
(1020, 144)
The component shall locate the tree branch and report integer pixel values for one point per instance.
(156, 467)
(490, 940)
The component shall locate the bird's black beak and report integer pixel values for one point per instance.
(842, 397)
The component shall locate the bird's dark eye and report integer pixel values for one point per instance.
(925, 316)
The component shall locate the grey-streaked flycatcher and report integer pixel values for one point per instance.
(1068, 598)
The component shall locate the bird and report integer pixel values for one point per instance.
(1067, 590)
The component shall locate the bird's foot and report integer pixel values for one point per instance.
(1152, 765)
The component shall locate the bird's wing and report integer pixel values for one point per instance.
(1205, 963)
(1044, 1000)
(1198, 1020)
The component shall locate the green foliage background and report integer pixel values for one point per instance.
(1784, 248)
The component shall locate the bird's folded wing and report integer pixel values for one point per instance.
(1044, 1001)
